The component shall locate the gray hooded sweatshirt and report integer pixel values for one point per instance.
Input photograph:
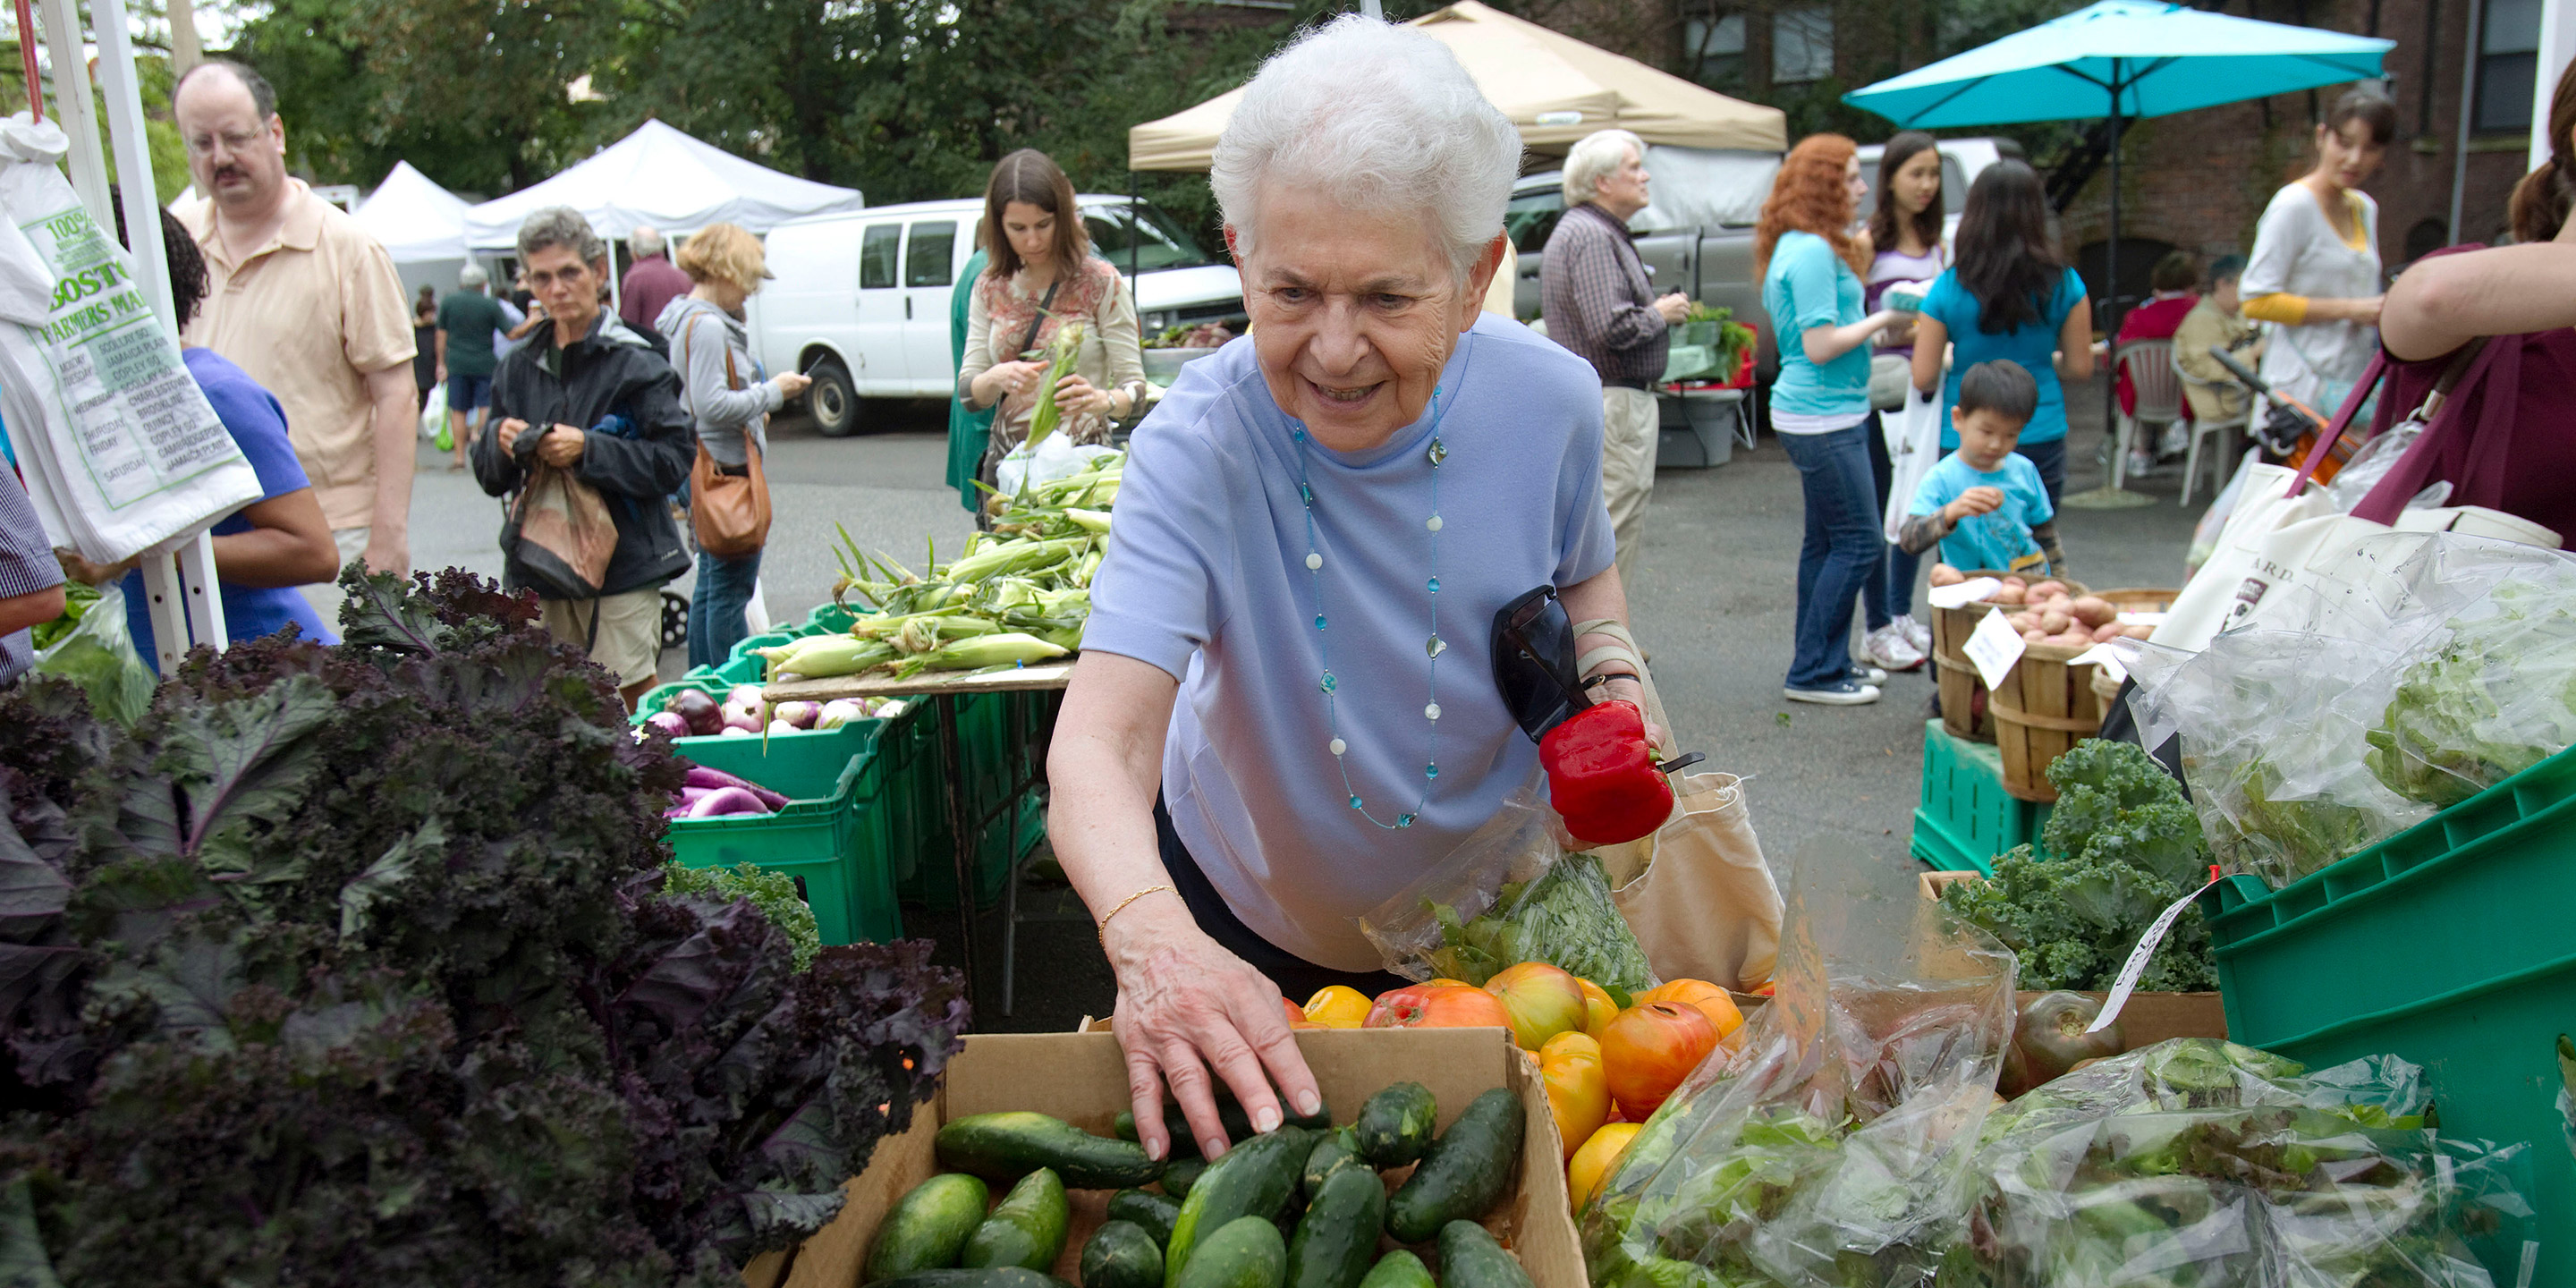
(699, 334)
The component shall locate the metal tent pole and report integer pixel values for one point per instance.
(2111, 303)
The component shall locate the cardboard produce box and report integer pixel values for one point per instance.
(2149, 1018)
(1082, 1078)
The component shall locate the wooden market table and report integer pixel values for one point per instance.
(1028, 770)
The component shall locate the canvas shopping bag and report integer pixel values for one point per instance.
(1704, 906)
(559, 536)
(120, 450)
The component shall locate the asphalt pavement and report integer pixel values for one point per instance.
(1712, 606)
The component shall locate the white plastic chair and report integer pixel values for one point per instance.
(2204, 430)
(2159, 396)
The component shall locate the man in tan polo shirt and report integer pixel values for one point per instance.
(305, 301)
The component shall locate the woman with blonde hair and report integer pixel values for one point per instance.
(1041, 276)
(729, 399)
(1811, 269)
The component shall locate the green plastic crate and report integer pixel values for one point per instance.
(2451, 944)
(830, 617)
(825, 834)
(990, 727)
(1966, 817)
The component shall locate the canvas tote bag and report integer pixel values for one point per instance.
(728, 512)
(559, 534)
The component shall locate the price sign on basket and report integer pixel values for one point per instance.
(1994, 646)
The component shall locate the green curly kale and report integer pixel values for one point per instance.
(1564, 917)
(2129, 847)
(774, 893)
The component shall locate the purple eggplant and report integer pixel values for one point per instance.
(668, 722)
(698, 709)
(726, 801)
(799, 713)
(701, 776)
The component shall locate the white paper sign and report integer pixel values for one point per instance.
(2142, 619)
(1994, 646)
(1965, 593)
(2138, 957)
(2105, 657)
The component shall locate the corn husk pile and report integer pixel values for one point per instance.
(1015, 595)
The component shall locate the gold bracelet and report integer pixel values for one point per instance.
(1122, 907)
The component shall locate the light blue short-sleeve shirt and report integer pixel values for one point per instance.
(1808, 286)
(1994, 540)
(1206, 578)
(2033, 346)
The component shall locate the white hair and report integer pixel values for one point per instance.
(472, 277)
(1598, 156)
(644, 242)
(1376, 116)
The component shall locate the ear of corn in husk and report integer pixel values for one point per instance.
(1061, 352)
(982, 651)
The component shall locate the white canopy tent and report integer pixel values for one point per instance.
(661, 178)
(417, 220)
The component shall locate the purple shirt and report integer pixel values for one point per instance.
(650, 285)
(1892, 267)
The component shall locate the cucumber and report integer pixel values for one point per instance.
(928, 1228)
(1398, 1269)
(1333, 1152)
(1253, 1180)
(1153, 1212)
(1124, 1125)
(1246, 1252)
(1394, 1127)
(1237, 1122)
(1469, 1258)
(1465, 1173)
(1025, 1229)
(1122, 1255)
(1338, 1239)
(1007, 1146)
(996, 1277)
(1182, 1173)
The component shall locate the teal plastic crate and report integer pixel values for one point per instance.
(2451, 944)
(992, 726)
(1966, 817)
(830, 617)
(826, 834)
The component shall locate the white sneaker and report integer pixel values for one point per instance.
(1916, 633)
(1867, 675)
(2141, 464)
(1887, 647)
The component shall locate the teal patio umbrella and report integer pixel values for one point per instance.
(2121, 59)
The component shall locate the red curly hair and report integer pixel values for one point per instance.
(1810, 196)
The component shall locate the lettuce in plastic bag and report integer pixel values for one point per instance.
(2494, 698)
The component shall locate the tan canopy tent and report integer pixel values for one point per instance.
(1555, 88)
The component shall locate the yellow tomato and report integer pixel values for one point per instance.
(1337, 1006)
(1596, 1161)
(1597, 1007)
(1707, 998)
(1578, 1090)
(1446, 982)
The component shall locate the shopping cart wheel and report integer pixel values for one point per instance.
(675, 620)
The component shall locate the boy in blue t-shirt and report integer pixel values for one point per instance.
(1984, 503)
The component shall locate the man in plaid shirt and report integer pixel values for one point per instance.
(1596, 299)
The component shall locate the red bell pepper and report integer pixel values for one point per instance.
(1601, 775)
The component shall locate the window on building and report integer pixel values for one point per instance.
(2508, 61)
(1802, 45)
(1713, 44)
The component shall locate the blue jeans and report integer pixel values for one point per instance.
(2050, 457)
(715, 610)
(1843, 550)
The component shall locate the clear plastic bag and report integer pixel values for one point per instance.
(1835, 1142)
(1510, 893)
(2197, 1161)
(2429, 667)
(98, 653)
(2213, 521)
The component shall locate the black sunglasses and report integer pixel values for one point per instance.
(1533, 651)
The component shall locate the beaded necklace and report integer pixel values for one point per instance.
(1433, 647)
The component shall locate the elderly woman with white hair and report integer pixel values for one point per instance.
(1598, 301)
(1286, 710)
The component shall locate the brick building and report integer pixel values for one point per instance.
(2197, 180)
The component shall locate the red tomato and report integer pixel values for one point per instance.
(1649, 1049)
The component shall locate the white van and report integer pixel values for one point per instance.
(860, 299)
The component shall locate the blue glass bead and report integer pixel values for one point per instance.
(1431, 771)
(1307, 492)
(1355, 802)
(1435, 585)
(1329, 682)
(1404, 820)
(1298, 434)
(1319, 621)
